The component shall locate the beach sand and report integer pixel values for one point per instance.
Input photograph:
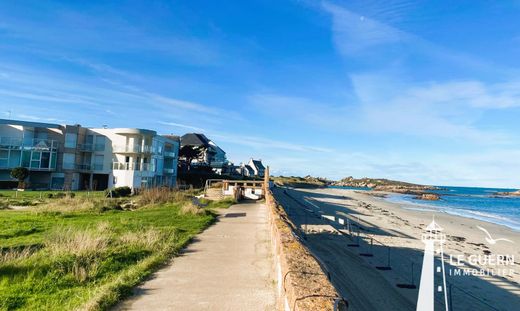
(386, 229)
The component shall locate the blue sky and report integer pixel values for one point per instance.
(422, 91)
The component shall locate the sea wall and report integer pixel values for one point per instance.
(303, 284)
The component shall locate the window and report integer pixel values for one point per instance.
(100, 143)
(35, 159)
(45, 160)
(68, 160)
(98, 162)
(70, 140)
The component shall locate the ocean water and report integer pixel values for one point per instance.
(478, 203)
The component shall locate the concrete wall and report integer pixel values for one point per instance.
(302, 283)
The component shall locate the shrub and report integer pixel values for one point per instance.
(20, 173)
(119, 192)
(59, 195)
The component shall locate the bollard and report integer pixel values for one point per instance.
(451, 298)
(408, 286)
(412, 275)
(387, 267)
(357, 241)
(370, 252)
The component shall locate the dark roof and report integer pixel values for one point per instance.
(249, 169)
(194, 139)
(258, 164)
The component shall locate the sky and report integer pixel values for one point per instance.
(420, 91)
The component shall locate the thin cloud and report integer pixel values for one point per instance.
(180, 125)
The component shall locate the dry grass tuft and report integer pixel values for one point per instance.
(189, 208)
(68, 205)
(163, 195)
(13, 255)
(148, 239)
(77, 242)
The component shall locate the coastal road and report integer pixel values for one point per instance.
(228, 267)
(361, 284)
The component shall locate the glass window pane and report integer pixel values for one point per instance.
(46, 156)
(71, 140)
(69, 160)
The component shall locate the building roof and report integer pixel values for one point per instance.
(194, 139)
(258, 164)
(249, 169)
(29, 123)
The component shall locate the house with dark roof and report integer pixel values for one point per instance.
(257, 166)
(246, 170)
(212, 155)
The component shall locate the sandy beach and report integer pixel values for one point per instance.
(390, 235)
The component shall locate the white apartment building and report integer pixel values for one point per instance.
(72, 157)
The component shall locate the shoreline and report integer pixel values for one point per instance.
(400, 230)
(453, 211)
(422, 205)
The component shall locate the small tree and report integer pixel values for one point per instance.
(20, 173)
(189, 153)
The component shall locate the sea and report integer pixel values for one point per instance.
(477, 203)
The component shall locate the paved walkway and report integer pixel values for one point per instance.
(228, 267)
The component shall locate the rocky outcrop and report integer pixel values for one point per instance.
(428, 197)
(386, 185)
(508, 194)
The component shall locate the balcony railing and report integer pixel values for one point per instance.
(132, 166)
(28, 144)
(91, 147)
(132, 149)
(83, 167)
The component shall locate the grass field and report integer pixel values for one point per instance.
(30, 194)
(72, 255)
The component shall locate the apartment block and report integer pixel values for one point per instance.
(72, 157)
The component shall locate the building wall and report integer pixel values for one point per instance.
(143, 149)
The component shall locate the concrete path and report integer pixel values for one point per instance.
(228, 267)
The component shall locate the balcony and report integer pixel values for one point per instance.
(91, 147)
(83, 167)
(145, 167)
(132, 149)
(31, 144)
(97, 167)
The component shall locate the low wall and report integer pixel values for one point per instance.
(303, 284)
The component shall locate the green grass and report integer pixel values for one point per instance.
(224, 203)
(60, 259)
(30, 194)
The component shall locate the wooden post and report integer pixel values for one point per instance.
(266, 182)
